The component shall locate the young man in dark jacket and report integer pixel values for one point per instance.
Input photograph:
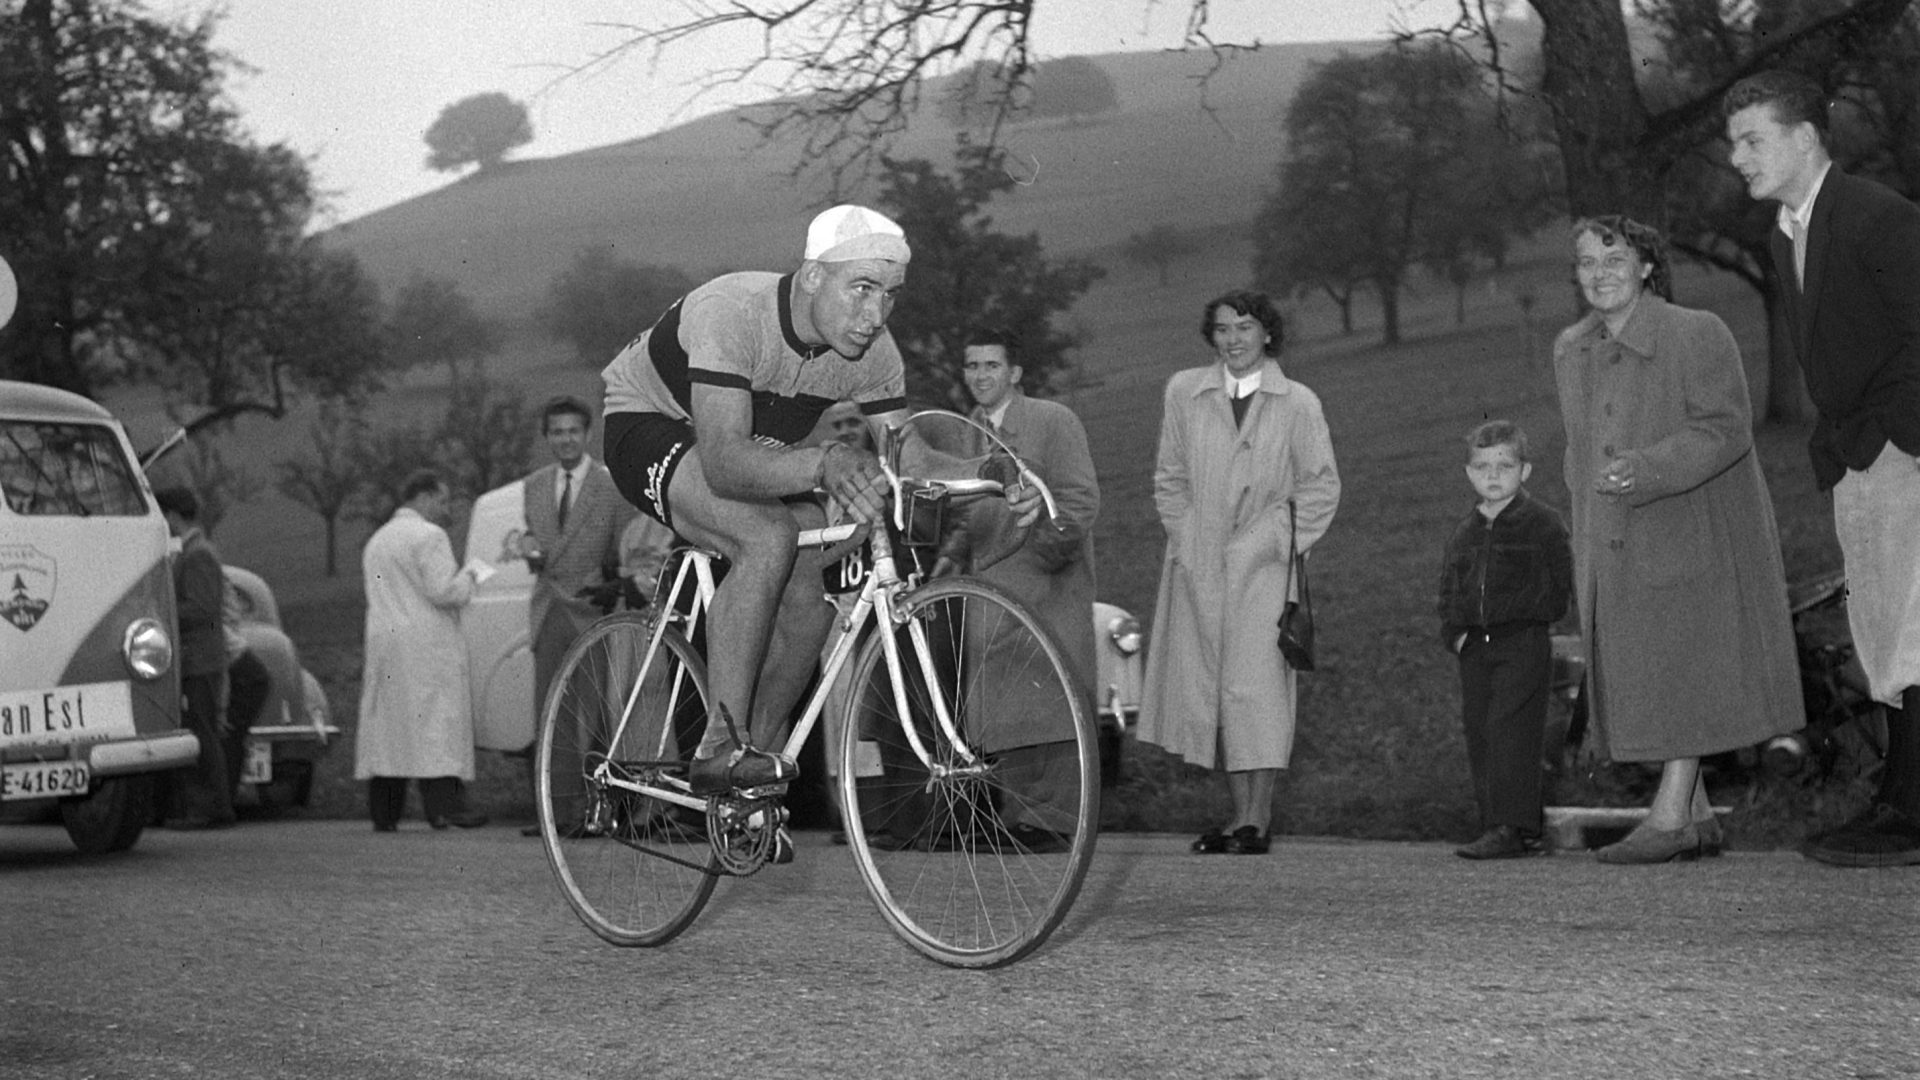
(1506, 577)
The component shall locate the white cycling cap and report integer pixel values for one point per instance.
(849, 232)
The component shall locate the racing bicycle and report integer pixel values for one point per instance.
(950, 678)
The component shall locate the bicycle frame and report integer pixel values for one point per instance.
(878, 592)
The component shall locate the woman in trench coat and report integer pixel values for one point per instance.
(1682, 596)
(1217, 690)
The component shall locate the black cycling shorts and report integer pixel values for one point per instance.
(643, 452)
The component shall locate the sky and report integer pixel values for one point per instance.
(354, 84)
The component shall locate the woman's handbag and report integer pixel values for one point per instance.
(1296, 618)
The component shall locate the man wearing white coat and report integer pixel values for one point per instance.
(415, 720)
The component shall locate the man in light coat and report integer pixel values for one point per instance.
(415, 720)
(1049, 566)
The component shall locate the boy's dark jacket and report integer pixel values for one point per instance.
(1515, 569)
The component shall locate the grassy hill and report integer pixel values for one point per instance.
(1379, 747)
(709, 196)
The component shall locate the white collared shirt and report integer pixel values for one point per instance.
(1240, 387)
(1804, 212)
(579, 474)
(998, 414)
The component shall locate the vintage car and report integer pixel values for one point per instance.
(294, 728)
(89, 691)
(500, 660)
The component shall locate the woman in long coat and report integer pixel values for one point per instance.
(1682, 595)
(415, 720)
(1217, 689)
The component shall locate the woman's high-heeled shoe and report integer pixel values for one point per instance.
(1646, 845)
(1713, 838)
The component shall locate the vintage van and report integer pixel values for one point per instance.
(89, 691)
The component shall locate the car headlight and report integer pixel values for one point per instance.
(1124, 632)
(148, 648)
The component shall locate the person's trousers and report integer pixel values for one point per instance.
(387, 798)
(1503, 704)
(248, 683)
(201, 789)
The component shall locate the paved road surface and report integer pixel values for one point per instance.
(318, 949)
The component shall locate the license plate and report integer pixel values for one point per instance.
(258, 768)
(43, 779)
(63, 715)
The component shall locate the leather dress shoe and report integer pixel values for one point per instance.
(1211, 842)
(1883, 836)
(386, 826)
(1646, 845)
(465, 819)
(742, 767)
(1502, 842)
(1247, 840)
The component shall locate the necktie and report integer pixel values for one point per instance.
(1799, 252)
(566, 498)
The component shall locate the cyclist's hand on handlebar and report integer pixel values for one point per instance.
(853, 476)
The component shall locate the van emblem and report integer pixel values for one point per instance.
(26, 585)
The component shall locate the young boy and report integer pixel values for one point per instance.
(1506, 576)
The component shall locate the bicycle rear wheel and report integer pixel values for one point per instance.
(635, 869)
(976, 856)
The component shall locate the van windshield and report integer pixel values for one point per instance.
(52, 469)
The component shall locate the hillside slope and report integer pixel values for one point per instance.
(710, 195)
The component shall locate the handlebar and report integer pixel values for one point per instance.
(892, 440)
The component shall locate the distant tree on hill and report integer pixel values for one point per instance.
(433, 322)
(966, 275)
(1158, 247)
(600, 302)
(220, 484)
(1391, 158)
(327, 479)
(486, 437)
(198, 277)
(1072, 86)
(1298, 248)
(478, 130)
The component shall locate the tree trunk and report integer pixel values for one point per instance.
(1389, 312)
(1460, 303)
(1598, 115)
(333, 528)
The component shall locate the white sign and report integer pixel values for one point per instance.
(61, 715)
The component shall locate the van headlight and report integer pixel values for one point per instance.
(1124, 632)
(148, 648)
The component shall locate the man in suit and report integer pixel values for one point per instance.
(201, 798)
(1847, 269)
(573, 543)
(1049, 565)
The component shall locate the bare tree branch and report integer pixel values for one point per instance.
(849, 75)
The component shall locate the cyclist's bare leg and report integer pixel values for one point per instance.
(761, 592)
(799, 632)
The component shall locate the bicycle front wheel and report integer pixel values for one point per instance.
(635, 869)
(974, 854)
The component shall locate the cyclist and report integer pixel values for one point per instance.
(701, 413)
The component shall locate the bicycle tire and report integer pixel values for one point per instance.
(941, 855)
(636, 870)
